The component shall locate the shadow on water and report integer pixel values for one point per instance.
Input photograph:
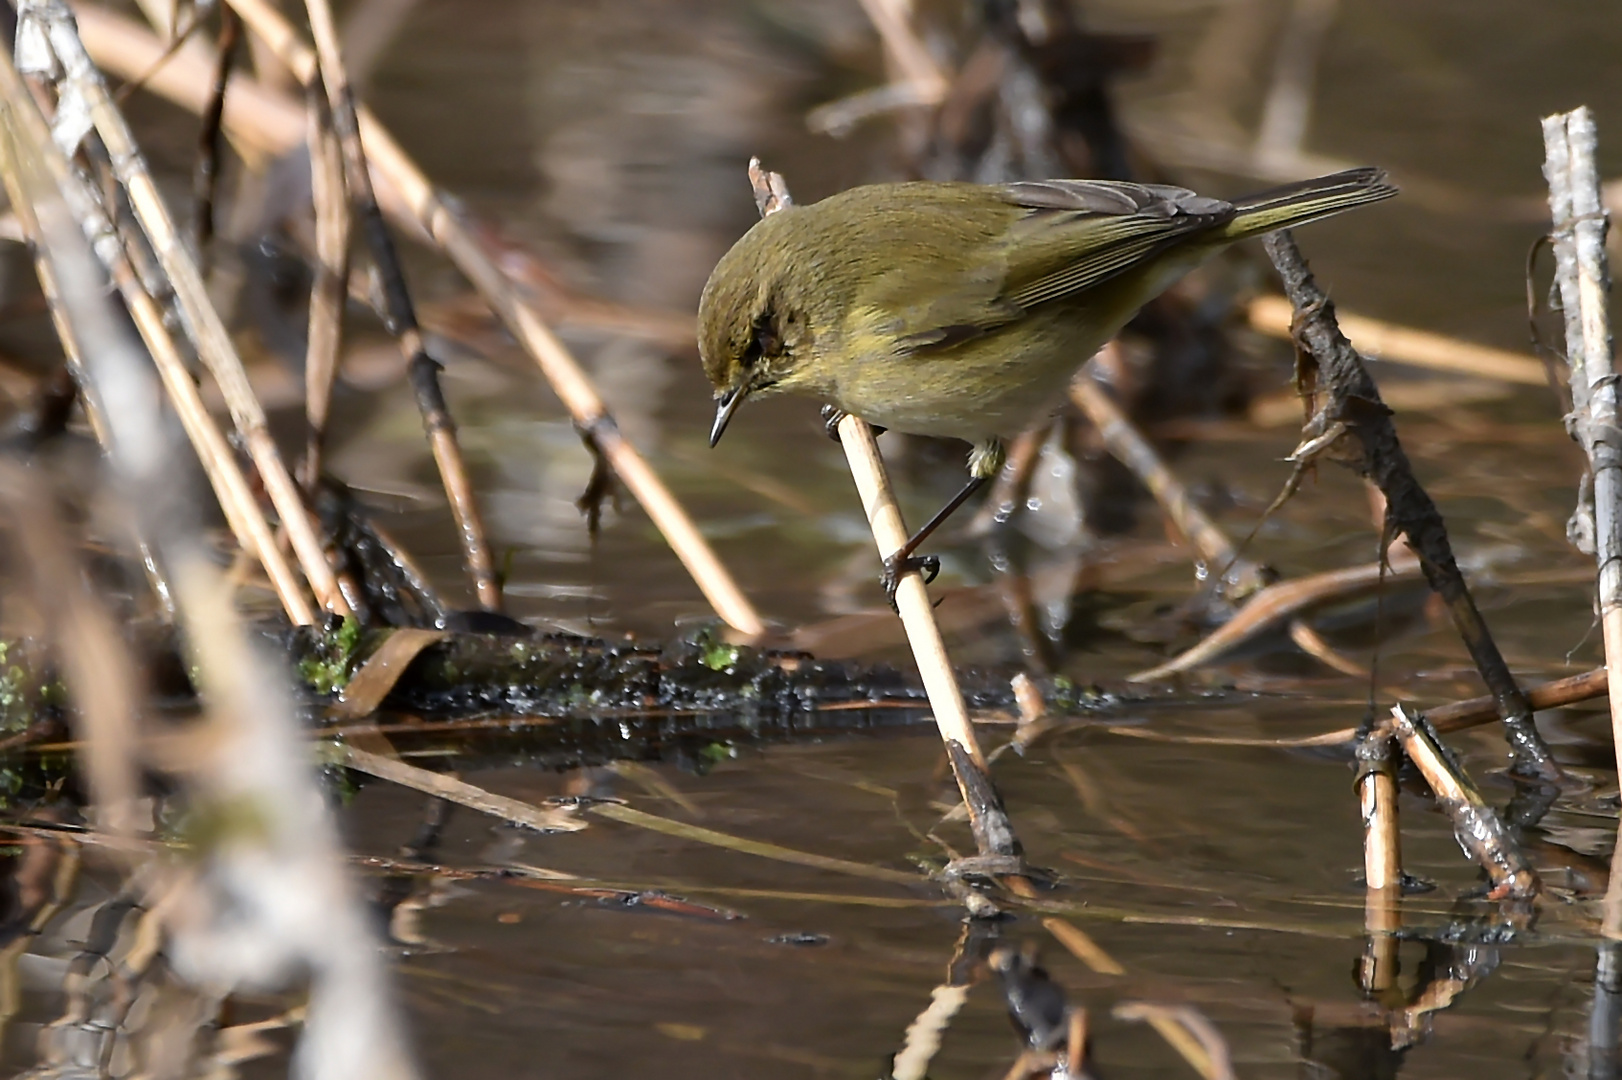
(611, 139)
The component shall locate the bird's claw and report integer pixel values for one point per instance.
(927, 565)
(831, 417)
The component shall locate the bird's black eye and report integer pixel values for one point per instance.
(764, 338)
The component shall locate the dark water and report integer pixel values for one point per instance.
(612, 138)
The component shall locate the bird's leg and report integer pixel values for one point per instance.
(985, 461)
(833, 414)
(901, 560)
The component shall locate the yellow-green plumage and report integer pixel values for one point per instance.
(964, 309)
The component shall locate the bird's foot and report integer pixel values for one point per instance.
(832, 415)
(927, 565)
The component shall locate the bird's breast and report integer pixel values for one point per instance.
(995, 385)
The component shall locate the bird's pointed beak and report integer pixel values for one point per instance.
(725, 406)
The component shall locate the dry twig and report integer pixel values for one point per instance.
(1388, 342)
(330, 287)
(1583, 278)
(542, 819)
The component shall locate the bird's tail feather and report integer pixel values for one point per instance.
(1307, 200)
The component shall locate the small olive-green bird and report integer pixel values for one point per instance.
(964, 309)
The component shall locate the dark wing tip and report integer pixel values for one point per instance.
(1372, 177)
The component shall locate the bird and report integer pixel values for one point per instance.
(963, 310)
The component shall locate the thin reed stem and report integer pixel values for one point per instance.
(202, 321)
(329, 291)
(29, 130)
(400, 316)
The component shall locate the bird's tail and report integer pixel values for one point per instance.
(1307, 200)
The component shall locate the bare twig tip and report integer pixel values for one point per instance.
(771, 190)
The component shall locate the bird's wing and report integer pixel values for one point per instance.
(1056, 238)
(1080, 233)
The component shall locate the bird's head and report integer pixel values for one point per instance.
(753, 332)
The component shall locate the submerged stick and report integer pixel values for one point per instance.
(541, 819)
(1194, 1027)
(1382, 860)
(1478, 829)
(1377, 791)
(1580, 271)
(435, 213)
(1090, 953)
(627, 815)
(1379, 965)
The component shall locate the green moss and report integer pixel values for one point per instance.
(717, 655)
(1068, 697)
(328, 666)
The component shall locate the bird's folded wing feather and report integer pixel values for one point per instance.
(1081, 233)
(1076, 234)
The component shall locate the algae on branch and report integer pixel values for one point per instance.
(329, 657)
(715, 654)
